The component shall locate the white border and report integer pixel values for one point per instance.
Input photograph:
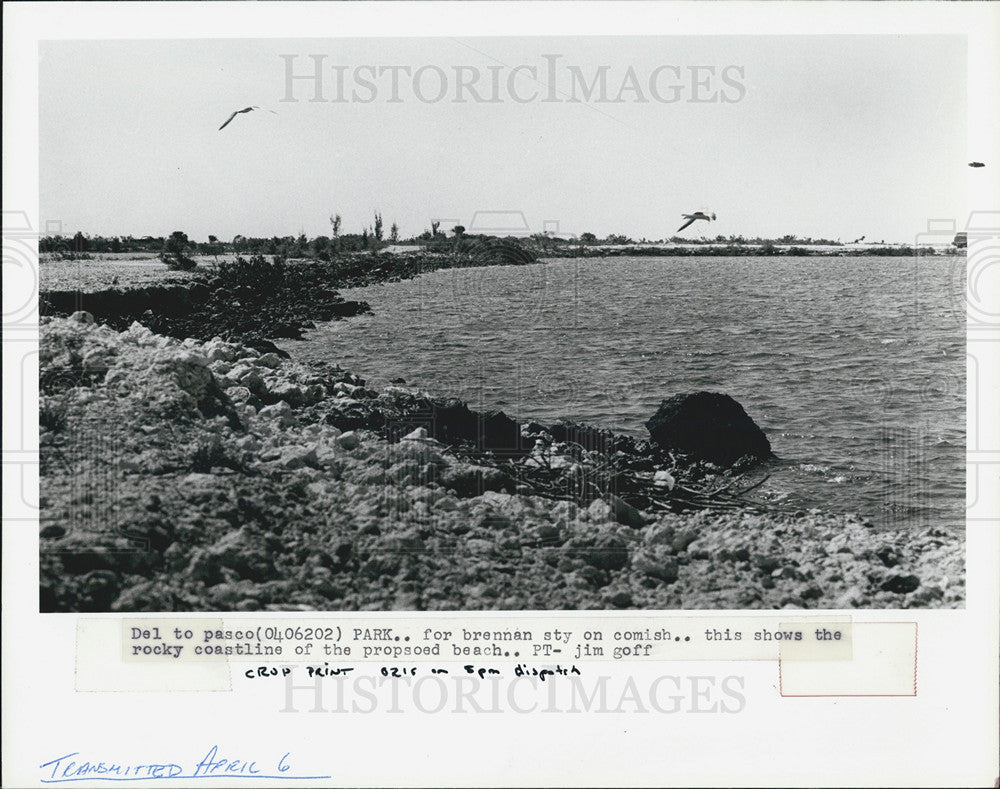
(947, 735)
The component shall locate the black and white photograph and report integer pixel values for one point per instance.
(501, 393)
(503, 324)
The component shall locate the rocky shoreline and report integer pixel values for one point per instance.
(209, 474)
(256, 299)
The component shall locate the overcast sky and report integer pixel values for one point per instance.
(833, 137)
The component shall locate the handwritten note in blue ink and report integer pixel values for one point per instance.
(74, 767)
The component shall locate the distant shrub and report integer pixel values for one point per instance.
(258, 273)
(174, 252)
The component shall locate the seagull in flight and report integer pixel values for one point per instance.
(240, 112)
(692, 218)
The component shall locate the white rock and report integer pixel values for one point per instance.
(248, 443)
(281, 411)
(599, 510)
(252, 380)
(199, 479)
(95, 359)
(138, 332)
(326, 455)
(218, 351)
(286, 391)
(319, 488)
(238, 394)
(419, 434)
(297, 456)
(269, 360)
(664, 479)
(349, 440)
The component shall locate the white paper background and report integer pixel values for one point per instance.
(947, 735)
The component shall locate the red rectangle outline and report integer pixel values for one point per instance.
(916, 641)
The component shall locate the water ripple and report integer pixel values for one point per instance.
(844, 364)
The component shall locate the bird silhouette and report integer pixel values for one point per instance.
(240, 112)
(692, 218)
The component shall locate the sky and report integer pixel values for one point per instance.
(817, 136)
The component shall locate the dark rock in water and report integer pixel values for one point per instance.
(710, 426)
(534, 429)
(590, 438)
(348, 309)
(266, 346)
(452, 422)
(287, 330)
(500, 433)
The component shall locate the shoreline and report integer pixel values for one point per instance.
(305, 502)
(255, 298)
(238, 478)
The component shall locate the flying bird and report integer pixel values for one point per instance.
(240, 112)
(976, 164)
(692, 218)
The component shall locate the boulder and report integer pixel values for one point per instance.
(709, 426)
(625, 513)
(657, 561)
(349, 440)
(280, 411)
(294, 456)
(469, 480)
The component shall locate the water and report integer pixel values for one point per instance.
(853, 367)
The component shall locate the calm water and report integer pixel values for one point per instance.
(854, 367)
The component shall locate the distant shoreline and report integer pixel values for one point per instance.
(556, 249)
(276, 297)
